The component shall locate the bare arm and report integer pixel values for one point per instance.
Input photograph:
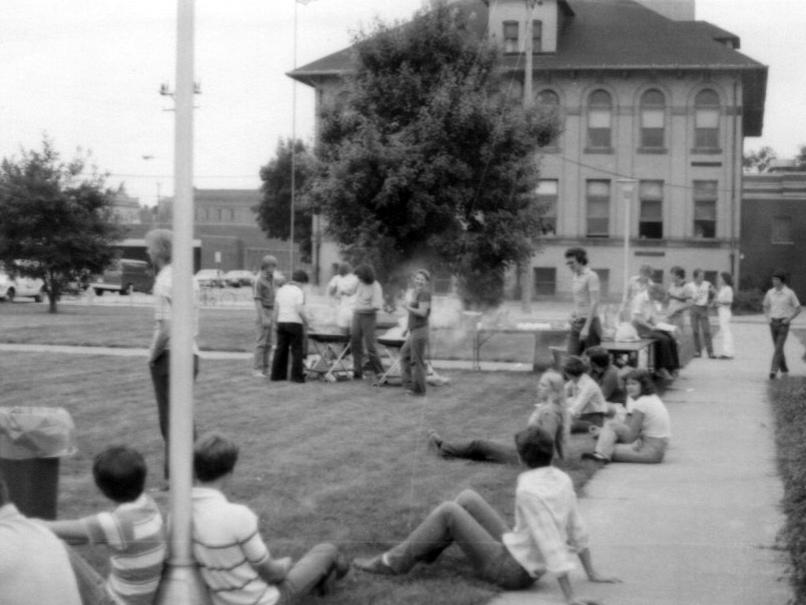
(72, 532)
(274, 571)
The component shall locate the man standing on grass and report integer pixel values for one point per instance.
(586, 330)
(264, 307)
(160, 251)
(781, 306)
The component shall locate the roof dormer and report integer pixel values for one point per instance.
(508, 24)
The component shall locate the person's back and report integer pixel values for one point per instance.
(34, 566)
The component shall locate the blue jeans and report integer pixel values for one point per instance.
(576, 346)
(306, 573)
(476, 528)
(779, 332)
(482, 450)
(701, 326)
(362, 335)
(262, 345)
(412, 360)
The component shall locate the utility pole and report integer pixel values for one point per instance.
(527, 275)
(181, 583)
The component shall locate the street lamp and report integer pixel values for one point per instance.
(627, 187)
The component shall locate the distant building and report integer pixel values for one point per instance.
(126, 209)
(644, 92)
(773, 224)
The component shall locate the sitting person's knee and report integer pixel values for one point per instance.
(466, 495)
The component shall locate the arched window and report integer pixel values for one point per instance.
(600, 116)
(706, 120)
(653, 116)
(548, 98)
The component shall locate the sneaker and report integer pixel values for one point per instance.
(711, 356)
(258, 374)
(772, 375)
(435, 441)
(596, 456)
(374, 565)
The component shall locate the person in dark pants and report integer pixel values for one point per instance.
(781, 306)
(412, 355)
(702, 294)
(160, 251)
(586, 330)
(368, 301)
(290, 318)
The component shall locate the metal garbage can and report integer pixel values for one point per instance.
(32, 441)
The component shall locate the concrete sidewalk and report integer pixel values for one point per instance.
(700, 528)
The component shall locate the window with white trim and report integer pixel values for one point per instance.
(706, 120)
(547, 195)
(653, 116)
(600, 117)
(650, 211)
(597, 194)
(705, 198)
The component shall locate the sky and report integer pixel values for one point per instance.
(87, 74)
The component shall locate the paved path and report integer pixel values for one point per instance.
(699, 528)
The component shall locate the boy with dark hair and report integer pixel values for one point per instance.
(133, 532)
(781, 306)
(547, 529)
(586, 329)
(34, 567)
(606, 375)
(586, 403)
(232, 557)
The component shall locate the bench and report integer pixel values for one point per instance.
(640, 353)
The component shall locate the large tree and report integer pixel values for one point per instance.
(758, 161)
(424, 160)
(57, 221)
(274, 210)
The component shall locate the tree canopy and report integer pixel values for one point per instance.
(274, 210)
(424, 160)
(57, 222)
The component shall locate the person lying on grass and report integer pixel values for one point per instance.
(645, 435)
(549, 413)
(233, 559)
(548, 529)
(133, 532)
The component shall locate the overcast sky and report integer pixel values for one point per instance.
(87, 73)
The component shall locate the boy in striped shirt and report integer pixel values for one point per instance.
(133, 532)
(232, 557)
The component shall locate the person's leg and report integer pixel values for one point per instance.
(279, 366)
(648, 451)
(482, 512)
(728, 348)
(161, 378)
(447, 523)
(480, 450)
(91, 585)
(780, 342)
(611, 433)
(706, 331)
(357, 346)
(296, 346)
(307, 573)
(695, 328)
(261, 347)
(594, 338)
(405, 363)
(419, 342)
(586, 421)
(371, 342)
(574, 344)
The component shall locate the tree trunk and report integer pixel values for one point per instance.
(52, 300)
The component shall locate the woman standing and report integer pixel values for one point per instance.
(723, 302)
(645, 435)
(368, 301)
(412, 355)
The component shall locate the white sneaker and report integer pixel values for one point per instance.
(258, 374)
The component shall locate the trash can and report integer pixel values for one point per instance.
(32, 441)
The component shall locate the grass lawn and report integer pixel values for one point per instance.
(342, 462)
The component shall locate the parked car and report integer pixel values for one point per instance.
(124, 276)
(15, 287)
(238, 277)
(210, 278)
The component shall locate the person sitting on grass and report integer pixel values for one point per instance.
(233, 559)
(606, 375)
(549, 413)
(586, 403)
(645, 435)
(133, 532)
(548, 529)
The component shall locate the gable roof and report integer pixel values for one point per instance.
(605, 35)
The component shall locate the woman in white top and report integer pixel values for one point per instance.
(645, 435)
(724, 301)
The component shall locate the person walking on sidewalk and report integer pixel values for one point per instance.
(264, 308)
(548, 529)
(702, 293)
(724, 302)
(781, 306)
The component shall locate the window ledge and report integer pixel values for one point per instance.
(652, 150)
(706, 150)
(602, 150)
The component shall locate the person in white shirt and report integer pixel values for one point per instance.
(342, 288)
(548, 530)
(724, 301)
(233, 559)
(645, 436)
(701, 294)
(781, 306)
(290, 318)
(678, 298)
(587, 405)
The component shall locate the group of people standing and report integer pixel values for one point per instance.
(358, 294)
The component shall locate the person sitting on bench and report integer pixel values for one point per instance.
(548, 529)
(586, 403)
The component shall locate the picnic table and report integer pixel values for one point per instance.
(640, 353)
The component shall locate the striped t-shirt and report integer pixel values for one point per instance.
(228, 548)
(135, 534)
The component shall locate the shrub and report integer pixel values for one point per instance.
(747, 302)
(787, 398)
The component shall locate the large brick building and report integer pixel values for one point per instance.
(644, 92)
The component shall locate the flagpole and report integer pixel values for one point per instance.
(293, 148)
